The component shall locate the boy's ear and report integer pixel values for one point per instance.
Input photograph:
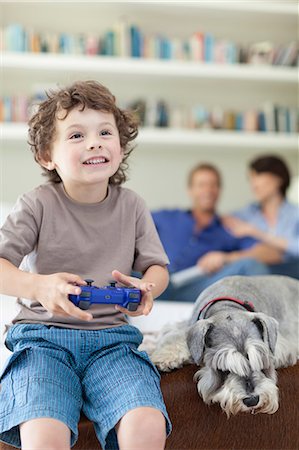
(46, 163)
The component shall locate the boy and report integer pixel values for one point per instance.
(81, 224)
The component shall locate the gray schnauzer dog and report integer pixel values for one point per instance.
(241, 329)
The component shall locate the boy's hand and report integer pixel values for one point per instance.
(145, 287)
(52, 292)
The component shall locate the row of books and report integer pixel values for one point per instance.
(269, 118)
(125, 40)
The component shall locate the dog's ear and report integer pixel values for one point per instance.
(268, 327)
(198, 338)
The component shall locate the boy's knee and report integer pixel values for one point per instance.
(153, 422)
(44, 433)
(147, 425)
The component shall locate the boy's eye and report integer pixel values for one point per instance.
(76, 136)
(105, 132)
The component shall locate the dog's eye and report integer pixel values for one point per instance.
(224, 374)
(208, 339)
(259, 326)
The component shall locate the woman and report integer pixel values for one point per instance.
(271, 219)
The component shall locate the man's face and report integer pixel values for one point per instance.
(86, 149)
(204, 190)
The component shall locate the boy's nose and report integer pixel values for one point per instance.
(93, 146)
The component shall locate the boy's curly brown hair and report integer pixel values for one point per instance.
(87, 94)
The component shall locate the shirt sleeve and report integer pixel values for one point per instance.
(246, 243)
(243, 214)
(156, 215)
(148, 247)
(292, 250)
(19, 233)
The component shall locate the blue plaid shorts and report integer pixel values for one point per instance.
(56, 372)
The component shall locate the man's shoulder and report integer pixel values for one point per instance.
(171, 212)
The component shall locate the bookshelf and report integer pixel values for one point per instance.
(177, 82)
(40, 63)
(15, 133)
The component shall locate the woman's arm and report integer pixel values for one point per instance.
(239, 228)
(264, 253)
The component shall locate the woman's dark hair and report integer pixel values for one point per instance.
(275, 166)
(82, 94)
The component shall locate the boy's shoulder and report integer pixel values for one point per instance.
(127, 195)
(39, 193)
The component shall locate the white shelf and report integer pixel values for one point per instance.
(287, 8)
(147, 67)
(15, 132)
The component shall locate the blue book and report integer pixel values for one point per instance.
(15, 38)
(135, 42)
(7, 109)
(239, 122)
(208, 47)
(261, 121)
(109, 43)
(165, 49)
(288, 121)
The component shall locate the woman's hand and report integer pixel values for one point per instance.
(145, 287)
(238, 227)
(212, 261)
(52, 292)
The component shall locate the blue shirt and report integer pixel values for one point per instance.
(287, 225)
(184, 244)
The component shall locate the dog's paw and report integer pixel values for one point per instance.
(166, 362)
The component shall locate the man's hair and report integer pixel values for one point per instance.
(274, 165)
(82, 94)
(202, 167)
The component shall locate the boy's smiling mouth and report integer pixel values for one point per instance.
(96, 160)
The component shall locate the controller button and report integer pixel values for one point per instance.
(89, 281)
(83, 304)
(132, 307)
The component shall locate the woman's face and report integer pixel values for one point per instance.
(264, 185)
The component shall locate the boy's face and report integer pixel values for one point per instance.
(86, 150)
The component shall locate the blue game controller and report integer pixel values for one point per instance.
(128, 298)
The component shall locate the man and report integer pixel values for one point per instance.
(197, 237)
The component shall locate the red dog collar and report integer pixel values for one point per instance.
(247, 305)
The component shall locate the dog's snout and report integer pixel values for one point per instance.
(251, 401)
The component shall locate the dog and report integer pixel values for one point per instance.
(241, 329)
